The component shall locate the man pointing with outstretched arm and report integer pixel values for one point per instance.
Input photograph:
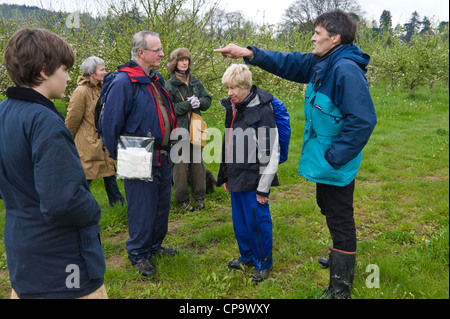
(339, 119)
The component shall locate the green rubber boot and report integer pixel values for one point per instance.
(342, 272)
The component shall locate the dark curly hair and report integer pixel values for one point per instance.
(338, 22)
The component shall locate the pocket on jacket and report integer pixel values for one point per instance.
(326, 119)
(92, 251)
(315, 167)
(88, 148)
(309, 90)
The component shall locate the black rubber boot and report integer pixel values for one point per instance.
(342, 272)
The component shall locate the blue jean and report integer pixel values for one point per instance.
(112, 190)
(148, 212)
(253, 229)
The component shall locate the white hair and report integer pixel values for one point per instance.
(238, 75)
(89, 66)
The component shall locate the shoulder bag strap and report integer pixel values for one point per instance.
(190, 111)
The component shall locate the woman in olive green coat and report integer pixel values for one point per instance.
(188, 94)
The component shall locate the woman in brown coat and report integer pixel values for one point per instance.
(80, 120)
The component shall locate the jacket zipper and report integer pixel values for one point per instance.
(230, 135)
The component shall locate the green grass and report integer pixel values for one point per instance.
(401, 213)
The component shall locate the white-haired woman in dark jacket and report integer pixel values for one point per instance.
(250, 156)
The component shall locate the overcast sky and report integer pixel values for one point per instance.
(272, 10)
(401, 10)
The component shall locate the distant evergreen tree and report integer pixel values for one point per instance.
(442, 29)
(386, 21)
(412, 26)
(426, 26)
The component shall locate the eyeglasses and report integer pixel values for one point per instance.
(155, 51)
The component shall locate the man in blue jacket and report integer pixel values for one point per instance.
(339, 119)
(138, 104)
(51, 237)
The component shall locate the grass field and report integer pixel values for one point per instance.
(401, 213)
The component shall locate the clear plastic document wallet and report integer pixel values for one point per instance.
(135, 157)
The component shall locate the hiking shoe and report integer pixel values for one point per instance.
(165, 252)
(324, 262)
(260, 275)
(238, 265)
(187, 206)
(145, 268)
(201, 205)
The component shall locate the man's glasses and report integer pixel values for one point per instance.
(156, 50)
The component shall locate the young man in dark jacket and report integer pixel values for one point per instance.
(51, 235)
(339, 119)
(138, 104)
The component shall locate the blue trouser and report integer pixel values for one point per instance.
(148, 212)
(253, 229)
(112, 190)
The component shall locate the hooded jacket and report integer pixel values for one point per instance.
(80, 121)
(250, 152)
(339, 112)
(137, 111)
(51, 220)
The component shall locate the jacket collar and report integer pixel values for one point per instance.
(30, 95)
(226, 103)
(182, 77)
(137, 74)
(324, 62)
(177, 82)
(257, 96)
(247, 100)
(326, 55)
(347, 51)
(84, 80)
